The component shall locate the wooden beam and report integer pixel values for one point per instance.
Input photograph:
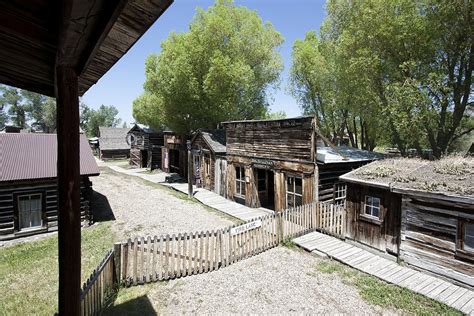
(69, 212)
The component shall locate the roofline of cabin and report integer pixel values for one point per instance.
(275, 120)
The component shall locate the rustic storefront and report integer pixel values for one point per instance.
(272, 163)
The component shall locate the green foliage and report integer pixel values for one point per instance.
(389, 72)
(221, 69)
(29, 271)
(275, 115)
(386, 295)
(91, 120)
(12, 99)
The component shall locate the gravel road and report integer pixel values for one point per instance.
(141, 209)
(279, 281)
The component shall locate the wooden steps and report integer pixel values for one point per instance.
(450, 294)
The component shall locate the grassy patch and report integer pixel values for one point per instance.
(29, 272)
(288, 243)
(132, 301)
(388, 296)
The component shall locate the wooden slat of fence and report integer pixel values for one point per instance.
(185, 256)
(148, 259)
(135, 261)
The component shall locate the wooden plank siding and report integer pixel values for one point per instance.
(48, 189)
(383, 234)
(174, 155)
(206, 157)
(149, 144)
(429, 236)
(276, 148)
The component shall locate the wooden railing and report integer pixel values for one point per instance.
(99, 286)
(150, 259)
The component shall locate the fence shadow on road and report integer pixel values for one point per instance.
(137, 306)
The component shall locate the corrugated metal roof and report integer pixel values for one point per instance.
(345, 154)
(112, 138)
(34, 156)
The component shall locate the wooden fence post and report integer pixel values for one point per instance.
(117, 263)
(280, 233)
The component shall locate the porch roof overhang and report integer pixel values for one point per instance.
(89, 36)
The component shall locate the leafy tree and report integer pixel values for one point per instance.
(48, 115)
(33, 103)
(3, 116)
(17, 110)
(221, 69)
(275, 115)
(396, 72)
(91, 120)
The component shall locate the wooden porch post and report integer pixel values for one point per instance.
(190, 170)
(69, 219)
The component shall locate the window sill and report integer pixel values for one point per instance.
(31, 231)
(369, 219)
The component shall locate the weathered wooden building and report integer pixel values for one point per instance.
(272, 163)
(146, 146)
(335, 161)
(174, 153)
(209, 162)
(28, 183)
(113, 143)
(420, 211)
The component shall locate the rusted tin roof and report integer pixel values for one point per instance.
(34, 156)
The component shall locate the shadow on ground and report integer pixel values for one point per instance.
(100, 206)
(138, 306)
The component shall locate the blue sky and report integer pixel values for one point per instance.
(124, 82)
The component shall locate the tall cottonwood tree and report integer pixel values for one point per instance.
(221, 69)
(401, 71)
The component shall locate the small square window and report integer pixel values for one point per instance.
(372, 206)
(468, 237)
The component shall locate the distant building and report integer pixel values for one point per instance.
(421, 212)
(146, 145)
(209, 161)
(28, 183)
(113, 143)
(11, 129)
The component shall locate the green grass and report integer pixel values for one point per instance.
(387, 296)
(29, 271)
(132, 301)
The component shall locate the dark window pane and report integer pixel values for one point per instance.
(298, 185)
(298, 200)
(243, 188)
(290, 200)
(375, 212)
(469, 236)
(289, 182)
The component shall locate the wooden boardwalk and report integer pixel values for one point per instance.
(220, 203)
(452, 295)
(204, 196)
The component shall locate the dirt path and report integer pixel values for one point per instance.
(142, 209)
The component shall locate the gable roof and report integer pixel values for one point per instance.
(214, 138)
(450, 176)
(143, 128)
(112, 138)
(34, 156)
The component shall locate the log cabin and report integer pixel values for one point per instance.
(208, 148)
(174, 153)
(113, 143)
(420, 212)
(28, 183)
(146, 146)
(272, 163)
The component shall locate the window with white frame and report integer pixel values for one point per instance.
(372, 206)
(30, 211)
(294, 191)
(467, 235)
(240, 182)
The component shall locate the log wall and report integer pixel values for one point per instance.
(48, 188)
(429, 234)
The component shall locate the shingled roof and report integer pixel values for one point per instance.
(215, 138)
(112, 138)
(34, 156)
(451, 176)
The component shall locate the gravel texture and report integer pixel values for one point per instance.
(144, 210)
(279, 281)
